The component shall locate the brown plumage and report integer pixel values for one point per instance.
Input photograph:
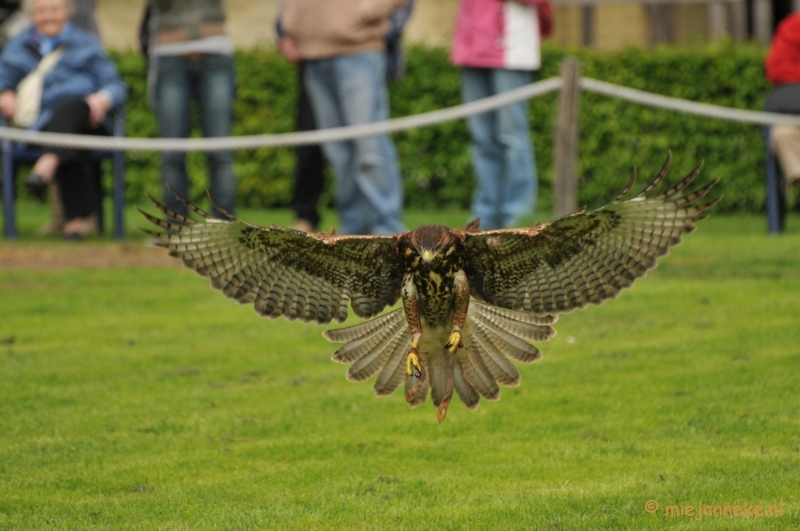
(472, 300)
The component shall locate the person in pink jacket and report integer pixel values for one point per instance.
(497, 45)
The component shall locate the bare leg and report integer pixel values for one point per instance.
(46, 166)
(75, 226)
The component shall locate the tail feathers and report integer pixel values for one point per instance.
(362, 345)
(464, 389)
(508, 320)
(502, 370)
(493, 337)
(479, 377)
(417, 389)
(506, 344)
(510, 315)
(440, 369)
(394, 369)
(373, 361)
(361, 330)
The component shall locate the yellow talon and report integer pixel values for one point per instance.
(454, 342)
(413, 363)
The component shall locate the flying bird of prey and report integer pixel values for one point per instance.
(471, 299)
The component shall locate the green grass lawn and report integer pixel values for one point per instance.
(138, 398)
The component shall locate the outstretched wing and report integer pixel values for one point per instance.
(310, 277)
(585, 257)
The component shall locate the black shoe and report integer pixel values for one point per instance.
(73, 237)
(36, 185)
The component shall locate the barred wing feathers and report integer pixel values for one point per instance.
(311, 277)
(586, 257)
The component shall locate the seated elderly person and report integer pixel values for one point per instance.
(77, 92)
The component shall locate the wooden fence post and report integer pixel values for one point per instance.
(565, 185)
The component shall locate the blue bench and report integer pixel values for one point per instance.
(18, 154)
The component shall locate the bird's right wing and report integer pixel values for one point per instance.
(586, 257)
(310, 277)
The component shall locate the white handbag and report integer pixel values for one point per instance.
(29, 90)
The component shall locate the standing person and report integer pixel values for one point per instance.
(309, 167)
(783, 70)
(83, 16)
(497, 45)
(78, 89)
(342, 45)
(191, 58)
(309, 170)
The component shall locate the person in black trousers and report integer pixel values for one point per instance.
(76, 175)
(309, 170)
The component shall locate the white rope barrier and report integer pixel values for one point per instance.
(398, 124)
(686, 106)
(287, 139)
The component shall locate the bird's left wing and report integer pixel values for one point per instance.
(311, 277)
(582, 258)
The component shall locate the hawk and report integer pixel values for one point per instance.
(472, 300)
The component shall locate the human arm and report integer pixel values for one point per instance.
(286, 44)
(111, 91)
(288, 49)
(371, 11)
(16, 62)
(99, 103)
(8, 103)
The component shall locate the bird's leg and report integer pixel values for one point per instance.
(411, 308)
(461, 309)
(413, 362)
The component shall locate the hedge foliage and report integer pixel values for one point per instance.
(436, 168)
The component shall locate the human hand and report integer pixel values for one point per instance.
(288, 48)
(99, 104)
(371, 12)
(8, 103)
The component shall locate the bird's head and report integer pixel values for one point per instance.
(430, 246)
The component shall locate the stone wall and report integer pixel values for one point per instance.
(251, 22)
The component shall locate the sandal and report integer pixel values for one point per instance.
(36, 185)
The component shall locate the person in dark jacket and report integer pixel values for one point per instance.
(77, 93)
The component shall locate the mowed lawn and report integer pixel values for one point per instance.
(138, 398)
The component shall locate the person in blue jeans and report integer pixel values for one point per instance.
(191, 58)
(309, 174)
(343, 49)
(497, 46)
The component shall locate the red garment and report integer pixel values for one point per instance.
(783, 61)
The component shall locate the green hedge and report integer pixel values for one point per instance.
(435, 162)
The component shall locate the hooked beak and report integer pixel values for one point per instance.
(427, 256)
